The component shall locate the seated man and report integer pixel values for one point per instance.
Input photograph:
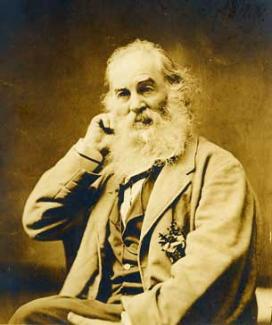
(160, 223)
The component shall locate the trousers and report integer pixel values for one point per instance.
(54, 310)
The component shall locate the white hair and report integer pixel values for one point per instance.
(168, 136)
(177, 78)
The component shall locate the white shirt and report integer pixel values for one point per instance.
(130, 195)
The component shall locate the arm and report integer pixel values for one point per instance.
(65, 192)
(218, 246)
(60, 194)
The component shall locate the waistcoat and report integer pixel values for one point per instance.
(121, 272)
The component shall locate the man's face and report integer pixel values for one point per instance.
(139, 91)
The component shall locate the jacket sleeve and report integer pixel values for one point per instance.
(61, 193)
(224, 222)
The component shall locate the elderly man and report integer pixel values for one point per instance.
(159, 225)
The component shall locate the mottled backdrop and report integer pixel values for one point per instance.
(52, 60)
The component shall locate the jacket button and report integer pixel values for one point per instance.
(127, 266)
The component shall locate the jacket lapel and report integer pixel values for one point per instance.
(88, 258)
(104, 208)
(171, 182)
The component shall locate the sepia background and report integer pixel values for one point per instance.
(52, 60)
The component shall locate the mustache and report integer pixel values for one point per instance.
(143, 118)
(137, 145)
(149, 117)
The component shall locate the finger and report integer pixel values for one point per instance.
(112, 121)
(98, 118)
(78, 320)
(106, 121)
(102, 120)
(106, 126)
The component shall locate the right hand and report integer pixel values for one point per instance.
(100, 132)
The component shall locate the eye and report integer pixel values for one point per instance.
(123, 93)
(145, 89)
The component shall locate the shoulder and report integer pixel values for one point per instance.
(210, 158)
(209, 150)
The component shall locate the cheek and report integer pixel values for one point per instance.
(119, 108)
(124, 123)
(157, 102)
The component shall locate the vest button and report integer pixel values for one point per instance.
(127, 266)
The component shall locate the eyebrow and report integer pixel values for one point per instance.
(120, 89)
(148, 81)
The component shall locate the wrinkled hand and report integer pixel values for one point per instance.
(100, 132)
(76, 319)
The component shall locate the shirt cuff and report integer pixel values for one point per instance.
(84, 150)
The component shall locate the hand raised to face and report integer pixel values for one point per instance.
(100, 132)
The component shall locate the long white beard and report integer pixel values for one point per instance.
(135, 150)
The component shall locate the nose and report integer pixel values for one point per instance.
(137, 104)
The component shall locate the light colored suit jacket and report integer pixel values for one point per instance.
(206, 192)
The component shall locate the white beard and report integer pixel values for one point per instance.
(136, 149)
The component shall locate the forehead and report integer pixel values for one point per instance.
(134, 67)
